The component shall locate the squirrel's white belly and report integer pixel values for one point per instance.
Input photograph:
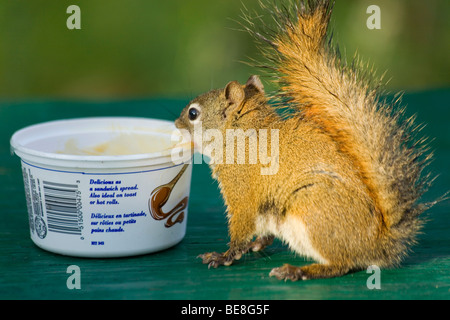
(293, 232)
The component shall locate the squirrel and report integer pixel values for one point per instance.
(347, 189)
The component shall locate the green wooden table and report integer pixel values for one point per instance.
(27, 272)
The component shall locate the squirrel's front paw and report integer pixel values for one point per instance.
(215, 259)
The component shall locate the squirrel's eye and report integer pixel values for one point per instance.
(193, 114)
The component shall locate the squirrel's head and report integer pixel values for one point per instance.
(221, 109)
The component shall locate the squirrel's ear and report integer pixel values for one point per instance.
(255, 82)
(234, 93)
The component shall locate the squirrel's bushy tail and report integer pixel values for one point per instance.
(345, 102)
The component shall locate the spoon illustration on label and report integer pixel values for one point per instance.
(160, 196)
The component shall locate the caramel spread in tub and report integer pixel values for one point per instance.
(122, 144)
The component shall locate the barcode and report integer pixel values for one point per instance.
(63, 206)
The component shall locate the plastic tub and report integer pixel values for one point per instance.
(104, 187)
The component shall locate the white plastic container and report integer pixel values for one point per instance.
(128, 199)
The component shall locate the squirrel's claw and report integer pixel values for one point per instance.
(215, 259)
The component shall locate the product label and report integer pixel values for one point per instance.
(106, 214)
(111, 193)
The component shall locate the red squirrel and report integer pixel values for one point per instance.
(347, 189)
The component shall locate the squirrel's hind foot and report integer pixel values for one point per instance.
(313, 271)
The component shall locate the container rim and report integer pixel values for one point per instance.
(19, 148)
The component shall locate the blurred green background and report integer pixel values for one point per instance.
(180, 48)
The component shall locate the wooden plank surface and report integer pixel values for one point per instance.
(27, 272)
